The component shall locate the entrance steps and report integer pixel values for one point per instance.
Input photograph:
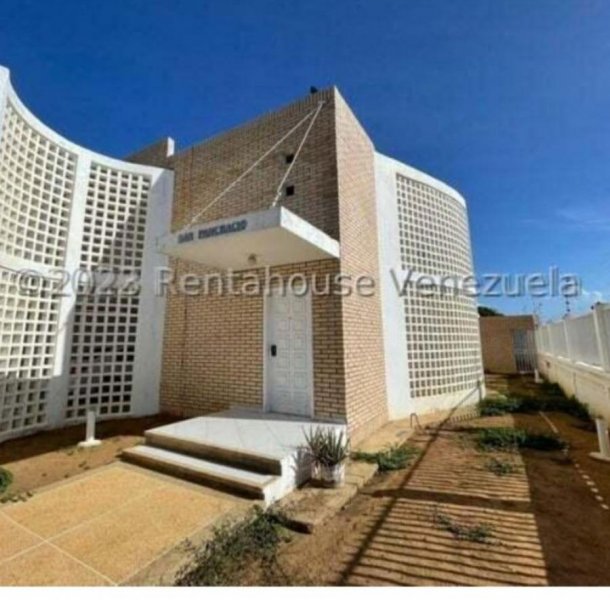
(215, 474)
(243, 451)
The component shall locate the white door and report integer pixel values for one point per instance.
(288, 354)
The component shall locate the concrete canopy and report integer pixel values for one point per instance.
(267, 238)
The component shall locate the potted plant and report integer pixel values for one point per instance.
(328, 448)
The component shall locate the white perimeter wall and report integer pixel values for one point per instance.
(575, 354)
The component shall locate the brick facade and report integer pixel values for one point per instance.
(362, 326)
(156, 154)
(213, 345)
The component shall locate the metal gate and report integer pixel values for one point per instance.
(524, 350)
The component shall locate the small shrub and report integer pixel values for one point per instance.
(507, 439)
(500, 467)
(397, 456)
(327, 446)
(552, 389)
(6, 478)
(479, 533)
(555, 402)
(235, 547)
(504, 439)
(492, 407)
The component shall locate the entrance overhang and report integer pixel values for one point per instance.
(266, 238)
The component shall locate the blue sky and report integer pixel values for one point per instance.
(506, 100)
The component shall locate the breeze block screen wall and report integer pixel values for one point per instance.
(431, 325)
(77, 262)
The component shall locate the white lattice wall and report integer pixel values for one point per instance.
(431, 324)
(68, 345)
(442, 324)
(36, 191)
(434, 236)
(28, 327)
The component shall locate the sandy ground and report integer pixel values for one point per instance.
(52, 456)
(546, 521)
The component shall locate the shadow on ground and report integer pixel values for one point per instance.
(451, 520)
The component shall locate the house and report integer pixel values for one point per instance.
(283, 268)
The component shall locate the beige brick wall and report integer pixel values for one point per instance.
(205, 170)
(362, 325)
(156, 154)
(497, 341)
(213, 349)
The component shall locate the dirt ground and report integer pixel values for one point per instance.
(447, 520)
(51, 456)
(544, 524)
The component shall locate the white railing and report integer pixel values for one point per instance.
(575, 353)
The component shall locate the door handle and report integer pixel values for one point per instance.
(273, 350)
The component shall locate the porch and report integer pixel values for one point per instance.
(254, 453)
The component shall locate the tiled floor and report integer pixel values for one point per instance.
(103, 528)
(246, 430)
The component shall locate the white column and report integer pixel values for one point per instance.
(60, 384)
(145, 398)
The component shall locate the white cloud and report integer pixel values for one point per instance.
(585, 218)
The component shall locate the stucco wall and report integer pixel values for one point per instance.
(591, 385)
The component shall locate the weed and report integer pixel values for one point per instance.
(507, 439)
(397, 456)
(504, 439)
(551, 388)
(14, 497)
(500, 467)
(6, 478)
(479, 533)
(553, 402)
(233, 549)
(491, 407)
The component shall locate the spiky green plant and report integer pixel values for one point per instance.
(397, 456)
(327, 446)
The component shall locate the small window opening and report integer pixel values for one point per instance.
(290, 190)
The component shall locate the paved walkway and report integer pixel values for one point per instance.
(103, 528)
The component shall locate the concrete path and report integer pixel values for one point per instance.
(103, 528)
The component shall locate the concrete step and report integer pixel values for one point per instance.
(257, 462)
(244, 482)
